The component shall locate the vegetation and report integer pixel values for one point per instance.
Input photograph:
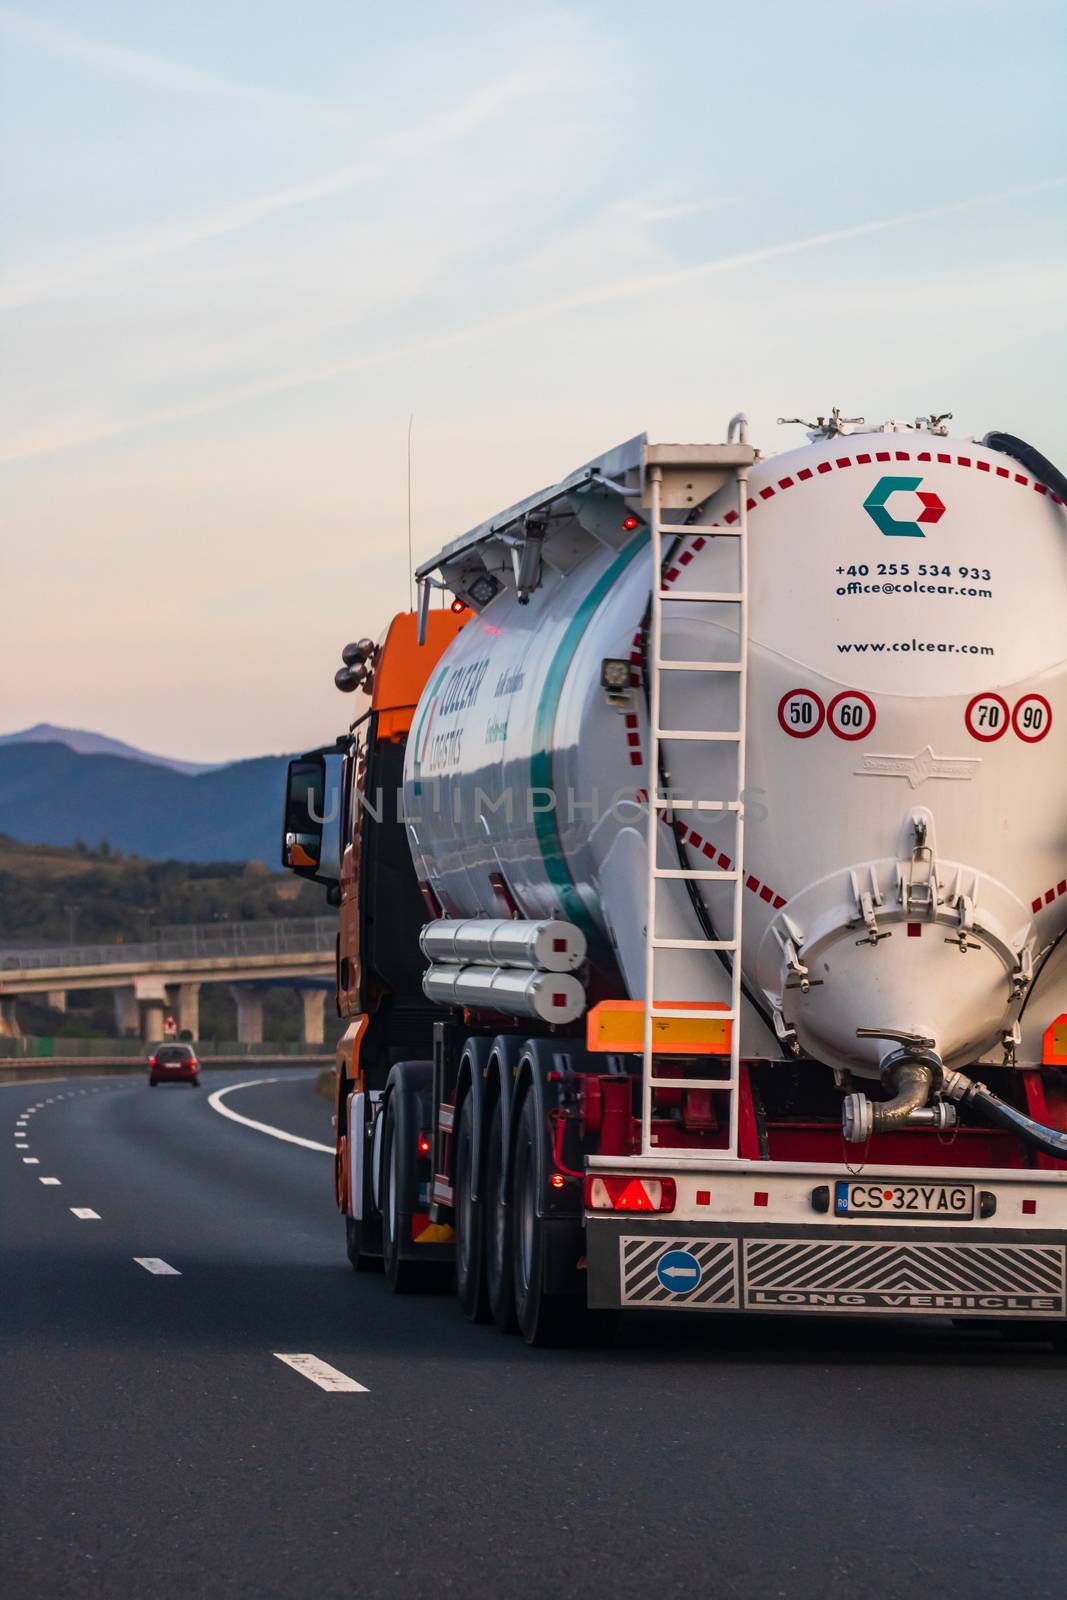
(53, 895)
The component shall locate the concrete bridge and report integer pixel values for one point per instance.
(167, 972)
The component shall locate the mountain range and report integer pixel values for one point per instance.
(98, 744)
(54, 790)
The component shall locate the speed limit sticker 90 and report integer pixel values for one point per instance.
(987, 717)
(1032, 717)
(801, 713)
(851, 715)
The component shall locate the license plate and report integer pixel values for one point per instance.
(952, 1201)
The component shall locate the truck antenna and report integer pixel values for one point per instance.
(411, 591)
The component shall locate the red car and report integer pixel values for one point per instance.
(174, 1063)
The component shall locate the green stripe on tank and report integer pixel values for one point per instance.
(546, 823)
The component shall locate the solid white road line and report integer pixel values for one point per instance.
(161, 1269)
(54, 1181)
(321, 1373)
(85, 1213)
(30, 1161)
(215, 1102)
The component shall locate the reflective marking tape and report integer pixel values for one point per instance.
(160, 1269)
(322, 1374)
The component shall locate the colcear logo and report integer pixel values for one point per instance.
(877, 508)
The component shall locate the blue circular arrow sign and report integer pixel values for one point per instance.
(679, 1271)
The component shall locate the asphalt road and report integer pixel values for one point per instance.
(152, 1444)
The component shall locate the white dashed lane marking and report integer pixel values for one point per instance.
(85, 1213)
(53, 1181)
(321, 1373)
(30, 1161)
(160, 1269)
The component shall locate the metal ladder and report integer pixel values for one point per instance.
(734, 460)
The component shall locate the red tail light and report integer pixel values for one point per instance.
(192, 1062)
(153, 1062)
(610, 1193)
(424, 1144)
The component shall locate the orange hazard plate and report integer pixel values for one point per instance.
(620, 1025)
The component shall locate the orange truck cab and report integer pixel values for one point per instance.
(382, 910)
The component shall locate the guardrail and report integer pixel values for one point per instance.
(286, 936)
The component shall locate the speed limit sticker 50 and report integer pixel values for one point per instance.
(801, 713)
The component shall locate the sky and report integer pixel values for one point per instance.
(244, 243)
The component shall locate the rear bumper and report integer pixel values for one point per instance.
(930, 1271)
(174, 1074)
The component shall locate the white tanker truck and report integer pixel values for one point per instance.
(702, 890)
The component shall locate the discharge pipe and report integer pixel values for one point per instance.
(912, 1071)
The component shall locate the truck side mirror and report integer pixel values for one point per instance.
(305, 812)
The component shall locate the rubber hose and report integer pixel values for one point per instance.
(996, 1110)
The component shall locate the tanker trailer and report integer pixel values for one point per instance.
(731, 891)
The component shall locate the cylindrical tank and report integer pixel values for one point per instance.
(905, 847)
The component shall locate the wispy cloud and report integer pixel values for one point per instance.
(381, 153)
(70, 434)
(684, 208)
(156, 71)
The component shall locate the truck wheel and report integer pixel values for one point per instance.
(354, 1247)
(398, 1274)
(470, 1238)
(499, 1290)
(543, 1319)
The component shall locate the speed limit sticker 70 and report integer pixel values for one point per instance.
(851, 714)
(801, 713)
(987, 717)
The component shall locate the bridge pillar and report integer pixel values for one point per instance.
(9, 1022)
(127, 1014)
(57, 999)
(151, 1020)
(186, 1004)
(151, 994)
(249, 998)
(314, 1002)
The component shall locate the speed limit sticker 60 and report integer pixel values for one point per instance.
(851, 714)
(801, 713)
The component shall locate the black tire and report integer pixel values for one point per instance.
(196, 1083)
(496, 1230)
(153, 1083)
(543, 1319)
(470, 1234)
(354, 1247)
